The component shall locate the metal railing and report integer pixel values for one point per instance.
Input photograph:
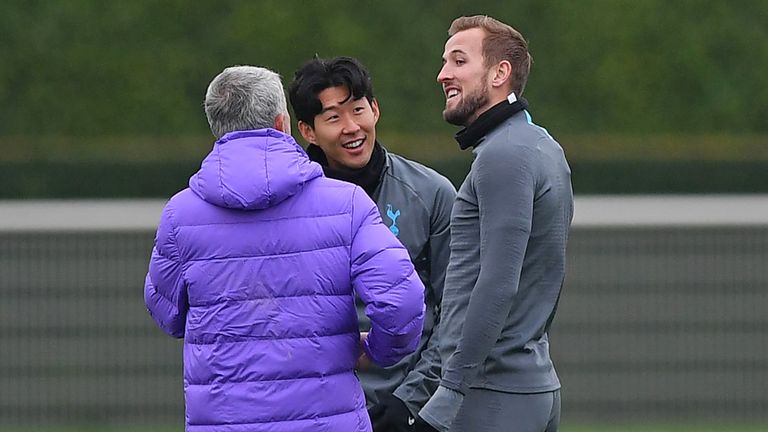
(663, 315)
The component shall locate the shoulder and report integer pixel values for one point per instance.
(183, 206)
(420, 178)
(325, 194)
(329, 185)
(516, 141)
(517, 152)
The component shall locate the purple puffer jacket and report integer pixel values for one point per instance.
(255, 266)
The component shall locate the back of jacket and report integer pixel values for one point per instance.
(259, 277)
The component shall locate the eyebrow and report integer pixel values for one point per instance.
(455, 51)
(329, 108)
(337, 104)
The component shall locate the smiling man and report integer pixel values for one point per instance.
(509, 230)
(337, 114)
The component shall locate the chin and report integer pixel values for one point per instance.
(360, 162)
(353, 165)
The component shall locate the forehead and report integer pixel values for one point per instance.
(334, 96)
(467, 41)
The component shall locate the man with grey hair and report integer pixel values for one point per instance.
(257, 264)
(246, 98)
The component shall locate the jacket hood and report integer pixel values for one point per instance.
(253, 169)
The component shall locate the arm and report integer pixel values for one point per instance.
(504, 186)
(422, 381)
(164, 291)
(385, 280)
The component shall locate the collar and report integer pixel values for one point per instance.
(367, 177)
(471, 135)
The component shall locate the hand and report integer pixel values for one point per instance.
(391, 415)
(363, 362)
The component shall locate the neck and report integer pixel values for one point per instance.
(367, 177)
(489, 120)
(494, 99)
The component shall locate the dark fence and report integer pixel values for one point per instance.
(655, 322)
(77, 344)
(665, 324)
(25, 180)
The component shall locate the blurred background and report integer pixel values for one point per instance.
(661, 108)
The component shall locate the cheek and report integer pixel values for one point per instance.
(369, 126)
(369, 123)
(474, 77)
(326, 134)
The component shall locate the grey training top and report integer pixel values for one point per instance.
(509, 229)
(415, 203)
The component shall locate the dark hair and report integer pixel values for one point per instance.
(319, 74)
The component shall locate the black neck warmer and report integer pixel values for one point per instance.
(487, 121)
(366, 177)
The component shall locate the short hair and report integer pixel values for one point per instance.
(318, 74)
(501, 42)
(244, 98)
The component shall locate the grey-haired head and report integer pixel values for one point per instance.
(246, 98)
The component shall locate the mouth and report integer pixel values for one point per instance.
(354, 144)
(451, 93)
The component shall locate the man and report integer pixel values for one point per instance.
(509, 229)
(256, 265)
(337, 114)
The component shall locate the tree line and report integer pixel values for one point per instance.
(94, 68)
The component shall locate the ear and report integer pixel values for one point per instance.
(283, 123)
(501, 74)
(375, 109)
(307, 132)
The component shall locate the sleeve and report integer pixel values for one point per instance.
(422, 381)
(165, 293)
(442, 408)
(386, 282)
(504, 185)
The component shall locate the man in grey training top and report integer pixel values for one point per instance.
(337, 114)
(509, 229)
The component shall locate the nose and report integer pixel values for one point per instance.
(444, 74)
(349, 126)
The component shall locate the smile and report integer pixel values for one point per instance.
(353, 144)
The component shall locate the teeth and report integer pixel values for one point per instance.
(353, 144)
(452, 93)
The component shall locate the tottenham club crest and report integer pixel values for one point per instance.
(393, 215)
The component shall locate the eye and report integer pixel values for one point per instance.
(332, 118)
(460, 62)
(359, 109)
